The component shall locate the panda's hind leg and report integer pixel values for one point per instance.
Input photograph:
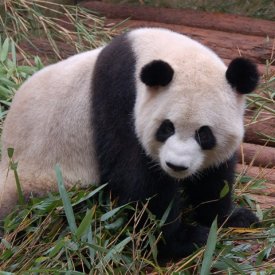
(30, 183)
(8, 194)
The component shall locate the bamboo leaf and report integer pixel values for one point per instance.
(4, 50)
(233, 265)
(85, 224)
(5, 81)
(116, 249)
(54, 250)
(152, 241)
(91, 194)
(13, 53)
(66, 200)
(90, 241)
(165, 214)
(225, 190)
(10, 152)
(209, 250)
(115, 225)
(110, 214)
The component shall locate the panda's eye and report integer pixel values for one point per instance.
(165, 130)
(205, 138)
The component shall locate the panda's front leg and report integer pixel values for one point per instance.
(179, 239)
(211, 195)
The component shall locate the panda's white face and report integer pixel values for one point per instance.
(194, 121)
(187, 137)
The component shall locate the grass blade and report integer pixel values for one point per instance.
(166, 213)
(91, 194)
(85, 224)
(225, 190)
(66, 200)
(110, 214)
(91, 242)
(4, 50)
(55, 249)
(233, 265)
(116, 250)
(13, 167)
(210, 248)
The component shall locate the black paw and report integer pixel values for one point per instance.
(183, 243)
(241, 217)
(196, 235)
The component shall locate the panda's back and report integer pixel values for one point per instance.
(55, 104)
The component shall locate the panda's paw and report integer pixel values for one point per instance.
(183, 243)
(241, 217)
(196, 235)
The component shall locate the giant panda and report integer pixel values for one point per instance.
(155, 114)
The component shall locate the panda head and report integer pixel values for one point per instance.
(189, 106)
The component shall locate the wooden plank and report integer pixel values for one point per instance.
(187, 17)
(258, 130)
(257, 155)
(227, 46)
(257, 172)
(268, 189)
(265, 195)
(264, 201)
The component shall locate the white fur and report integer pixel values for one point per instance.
(181, 153)
(49, 123)
(198, 95)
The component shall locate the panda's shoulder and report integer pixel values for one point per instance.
(75, 64)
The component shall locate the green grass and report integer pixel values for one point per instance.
(12, 75)
(71, 27)
(80, 231)
(76, 230)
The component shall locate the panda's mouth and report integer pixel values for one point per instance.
(176, 168)
(176, 171)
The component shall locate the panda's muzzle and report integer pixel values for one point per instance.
(176, 168)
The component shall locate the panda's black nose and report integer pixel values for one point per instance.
(176, 168)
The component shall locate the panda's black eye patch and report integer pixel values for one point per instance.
(165, 130)
(205, 138)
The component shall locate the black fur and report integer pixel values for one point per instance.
(129, 171)
(242, 75)
(157, 73)
(165, 130)
(205, 138)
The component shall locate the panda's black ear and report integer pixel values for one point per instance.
(156, 73)
(242, 75)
